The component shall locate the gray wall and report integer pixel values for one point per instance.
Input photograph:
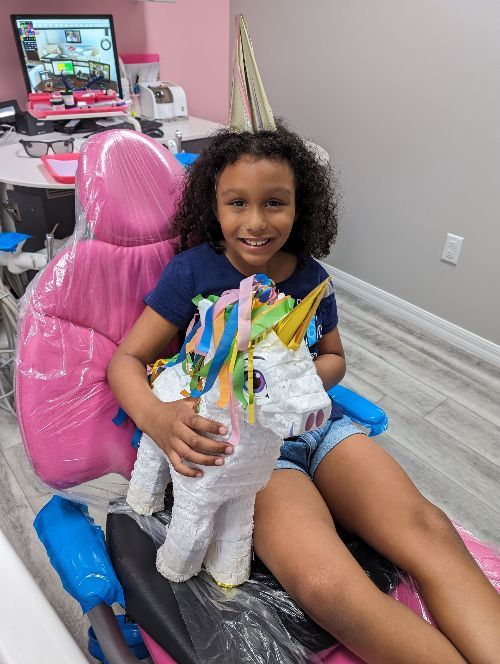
(405, 96)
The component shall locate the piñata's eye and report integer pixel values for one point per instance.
(259, 382)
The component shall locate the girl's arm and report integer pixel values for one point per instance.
(175, 427)
(330, 363)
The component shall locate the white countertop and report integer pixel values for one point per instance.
(19, 169)
(191, 128)
(16, 168)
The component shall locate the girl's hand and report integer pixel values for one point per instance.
(178, 430)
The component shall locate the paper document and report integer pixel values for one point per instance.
(63, 167)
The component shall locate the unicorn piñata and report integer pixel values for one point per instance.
(246, 360)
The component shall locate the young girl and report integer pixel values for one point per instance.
(264, 203)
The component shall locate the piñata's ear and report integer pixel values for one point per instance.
(292, 329)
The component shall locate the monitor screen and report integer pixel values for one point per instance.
(99, 69)
(50, 46)
(60, 66)
(82, 71)
(73, 36)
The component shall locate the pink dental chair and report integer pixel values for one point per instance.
(75, 314)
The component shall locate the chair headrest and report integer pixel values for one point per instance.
(84, 302)
(128, 186)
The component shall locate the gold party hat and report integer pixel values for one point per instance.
(250, 109)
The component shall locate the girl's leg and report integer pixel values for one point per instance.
(370, 495)
(295, 537)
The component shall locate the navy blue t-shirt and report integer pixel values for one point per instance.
(202, 271)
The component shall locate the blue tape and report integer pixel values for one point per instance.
(136, 438)
(120, 417)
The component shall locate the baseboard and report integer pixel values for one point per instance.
(419, 318)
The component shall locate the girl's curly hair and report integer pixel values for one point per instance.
(316, 199)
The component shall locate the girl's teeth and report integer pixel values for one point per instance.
(256, 243)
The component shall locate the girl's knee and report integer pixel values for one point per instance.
(429, 521)
(337, 602)
(324, 595)
(430, 540)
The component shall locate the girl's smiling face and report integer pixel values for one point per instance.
(255, 206)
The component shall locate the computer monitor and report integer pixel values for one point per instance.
(60, 66)
(82, 71)
(99, 69)
(66, 44)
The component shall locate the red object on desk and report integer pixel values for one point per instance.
(58, 166)
(39, 104)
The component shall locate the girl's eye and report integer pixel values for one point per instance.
(274, 203)
(259, 382)
(238, 203)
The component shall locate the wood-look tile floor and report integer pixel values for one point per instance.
(444, 410)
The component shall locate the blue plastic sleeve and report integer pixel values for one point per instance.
(10, 241)
(360, 410)
(77, 551)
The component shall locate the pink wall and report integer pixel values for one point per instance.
(191, 36)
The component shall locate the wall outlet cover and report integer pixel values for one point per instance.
(452, 247)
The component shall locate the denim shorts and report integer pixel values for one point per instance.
(306, 452)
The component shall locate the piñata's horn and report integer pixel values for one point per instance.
(250, 109)
(292, 329)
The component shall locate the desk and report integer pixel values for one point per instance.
(28, 173)
(16, 168)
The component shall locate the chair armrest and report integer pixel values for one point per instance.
(360, 410)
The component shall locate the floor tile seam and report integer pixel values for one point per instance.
(5, 410)
(351, 371)
(424, 459)
(9, 445)
(465, 404)
(445, 431)
(431, 385)
(471, 413)
(424, 417)
(402, 371)
(402, 327)
(357, 341)
(403, 405)
(391, 318)
(13, 469)
(436, 470)
(438, 363)
(385, 316)
(24, 504)
(436, 407)
(431, 340)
